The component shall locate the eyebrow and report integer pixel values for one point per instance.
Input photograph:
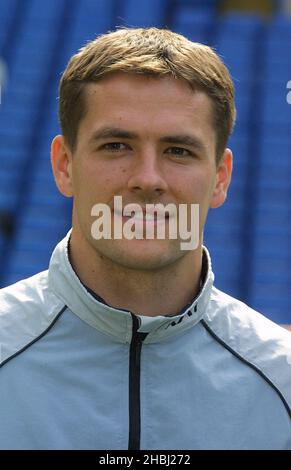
(184, 139)
(179, 139)
(112, 132)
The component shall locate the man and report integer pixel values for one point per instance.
(124, 343)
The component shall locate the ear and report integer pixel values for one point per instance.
(223, 178)
(61, 160)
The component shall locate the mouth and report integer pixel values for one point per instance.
(143, 217)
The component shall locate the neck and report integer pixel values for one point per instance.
(150, 293)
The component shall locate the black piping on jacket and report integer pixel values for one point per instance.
(134, 385)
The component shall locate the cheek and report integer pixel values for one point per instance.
(192, 189)
(98, 183)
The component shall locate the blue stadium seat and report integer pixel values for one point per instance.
(7, 10)
(22, 105)
(36, 239)
(275, 109)
(238, 37)
(244, 100)
(281, 27)
(209, 6)
(2, 244)
(245, 26)
(90, 19)
(225, 230)
(271, 286)
(277, 50)
(270, 267)
(143, 14)
(196, 24)
(42, 12)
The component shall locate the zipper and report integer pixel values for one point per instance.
(134, 384)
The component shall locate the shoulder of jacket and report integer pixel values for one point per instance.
(27, 309)
(252, 337)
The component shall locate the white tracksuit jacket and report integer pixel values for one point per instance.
(78, 374)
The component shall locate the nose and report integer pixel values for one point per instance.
(146, 178)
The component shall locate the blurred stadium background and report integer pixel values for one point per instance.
(250, 236)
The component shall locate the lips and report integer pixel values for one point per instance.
(145, 216)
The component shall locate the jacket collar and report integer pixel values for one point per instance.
(115, 322)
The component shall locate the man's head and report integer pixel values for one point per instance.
(145, 115)
(150, 52)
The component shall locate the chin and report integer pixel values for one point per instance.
(141, 255)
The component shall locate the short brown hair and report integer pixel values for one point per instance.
(154, 52)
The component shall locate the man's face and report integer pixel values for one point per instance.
(149, 140)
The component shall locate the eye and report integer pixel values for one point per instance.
(114, 147)
(179, 152)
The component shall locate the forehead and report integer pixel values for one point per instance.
(148, 104)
